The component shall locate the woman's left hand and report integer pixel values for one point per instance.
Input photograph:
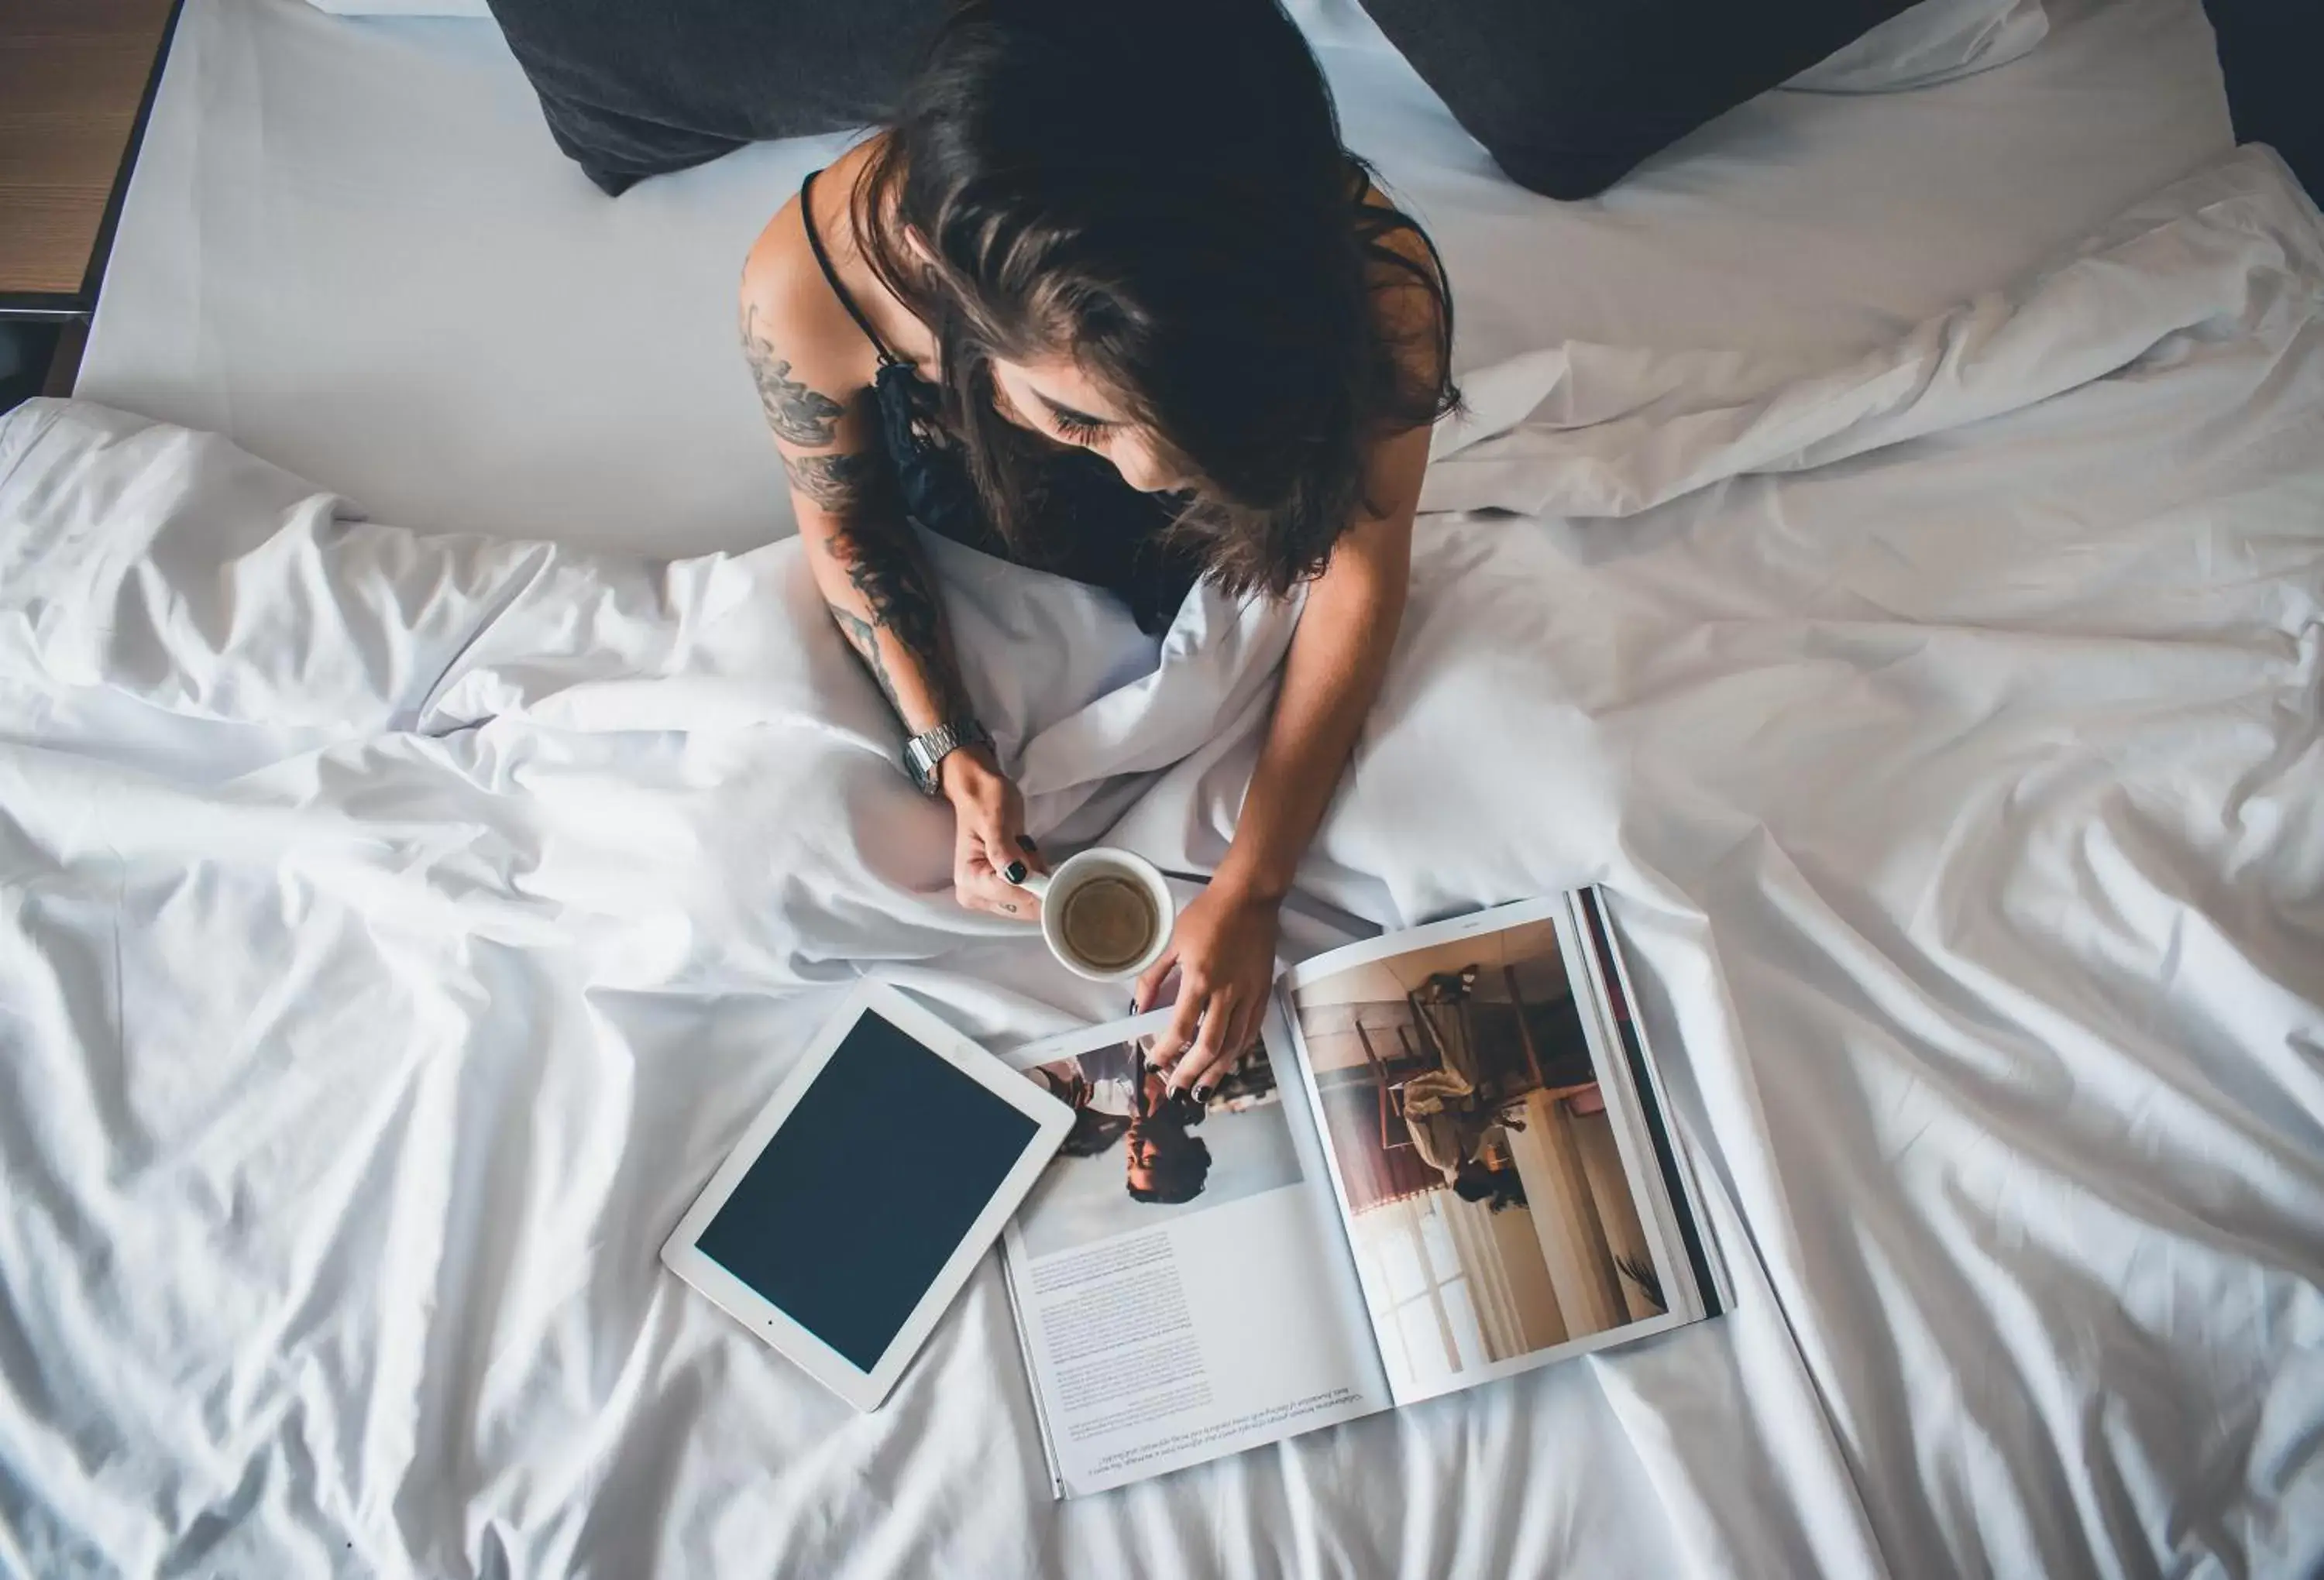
(1223, 949)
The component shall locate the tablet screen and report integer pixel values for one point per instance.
(847, 1217)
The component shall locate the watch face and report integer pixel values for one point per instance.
(919, 763)
(924, 752)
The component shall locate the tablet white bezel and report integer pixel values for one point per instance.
(864, 1389)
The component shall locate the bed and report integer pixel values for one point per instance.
(1885, 547)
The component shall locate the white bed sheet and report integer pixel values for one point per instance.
(352, 246)
(334, 1254)
(396, 930)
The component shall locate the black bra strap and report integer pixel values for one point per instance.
(831, 276)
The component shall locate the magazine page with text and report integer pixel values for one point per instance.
(1181, 1279)
(1484, 1144)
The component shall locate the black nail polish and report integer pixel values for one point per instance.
(1014, 872)
(1025, 843)
(1201, 1094)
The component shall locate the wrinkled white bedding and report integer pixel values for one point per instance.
(395, 929)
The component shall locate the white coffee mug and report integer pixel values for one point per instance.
(1105, 914)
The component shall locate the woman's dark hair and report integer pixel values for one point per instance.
(1158, 190)
(1180, 1168)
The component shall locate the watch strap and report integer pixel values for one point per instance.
(924, 752)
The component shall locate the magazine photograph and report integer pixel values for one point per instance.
(1139, 1155)
(1486, 1194)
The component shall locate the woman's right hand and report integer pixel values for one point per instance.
(989, 835)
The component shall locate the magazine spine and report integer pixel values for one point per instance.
(1611, 972)
(1032, 1377)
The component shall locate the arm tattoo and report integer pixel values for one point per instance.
(888, 576)
(865, 637)
(881, 562)
(845, 483)
(798, 415)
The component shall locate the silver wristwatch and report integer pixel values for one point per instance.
(923, 752)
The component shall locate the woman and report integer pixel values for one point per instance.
(1110, 299)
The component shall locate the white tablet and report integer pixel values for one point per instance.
(860, 1198)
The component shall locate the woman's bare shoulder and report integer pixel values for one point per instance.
(799, 341)
(785, 300)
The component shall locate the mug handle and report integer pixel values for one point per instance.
(1036, 883)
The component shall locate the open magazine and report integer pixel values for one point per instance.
(1446, 1162)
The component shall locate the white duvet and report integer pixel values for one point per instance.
(395, 930)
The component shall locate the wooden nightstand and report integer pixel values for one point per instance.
(77, 78)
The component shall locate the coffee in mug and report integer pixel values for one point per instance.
(1105, 914)
(1107, 922)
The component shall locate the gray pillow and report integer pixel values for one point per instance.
(1933, 41)
(633, 88)
(1568, 95)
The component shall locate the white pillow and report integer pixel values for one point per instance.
(403, 7)
(1933, 41)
